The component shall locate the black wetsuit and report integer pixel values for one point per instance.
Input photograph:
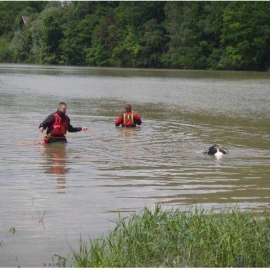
(48, 123)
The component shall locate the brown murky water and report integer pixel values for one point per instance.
(52, 195)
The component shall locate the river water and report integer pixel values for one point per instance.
(50, 196)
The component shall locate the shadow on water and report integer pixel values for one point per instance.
(56, 163)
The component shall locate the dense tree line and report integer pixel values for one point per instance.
(187, 35)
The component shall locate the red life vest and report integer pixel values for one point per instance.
(128, 119)
(59, 127)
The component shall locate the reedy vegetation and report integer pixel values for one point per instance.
(188, 35)
(173, 238)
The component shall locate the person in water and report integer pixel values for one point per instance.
(216, 149)
(128, 118)
(57, 125)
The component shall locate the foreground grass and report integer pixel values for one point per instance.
(181, 239)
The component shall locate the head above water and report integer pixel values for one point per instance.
(213, 149)
(62, 107)
(128, 108)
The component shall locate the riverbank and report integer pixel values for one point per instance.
(170, 238)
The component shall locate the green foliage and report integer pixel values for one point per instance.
(8, 11)
(194, 28)
(171, 238)
(188, 35)
(18, 47)
(5, 54)
(246, 35)
(51, 36)
(104, 39)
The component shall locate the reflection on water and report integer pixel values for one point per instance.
(83, 184)
(127, 138)
(56, 163)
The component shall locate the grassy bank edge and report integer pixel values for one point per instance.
(174, 238)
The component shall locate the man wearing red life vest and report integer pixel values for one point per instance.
(57, 125)
(128, 118)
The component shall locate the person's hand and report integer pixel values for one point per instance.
(41, 129)
(84, 128)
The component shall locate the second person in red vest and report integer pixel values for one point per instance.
(128, 118)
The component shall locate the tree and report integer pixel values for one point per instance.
(246, 38)
(104, 39)
(194, 29)
(5, 54)
(189, 35)
(51, 35)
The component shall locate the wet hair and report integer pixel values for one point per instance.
(213, 149)
(60, 104)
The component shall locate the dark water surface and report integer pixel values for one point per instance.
(52, 195)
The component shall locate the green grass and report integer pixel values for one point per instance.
(171, 238)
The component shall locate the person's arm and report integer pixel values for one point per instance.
(137, 118)
(71, 128)
(75, 129)
(47, 123)
(118, 121)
